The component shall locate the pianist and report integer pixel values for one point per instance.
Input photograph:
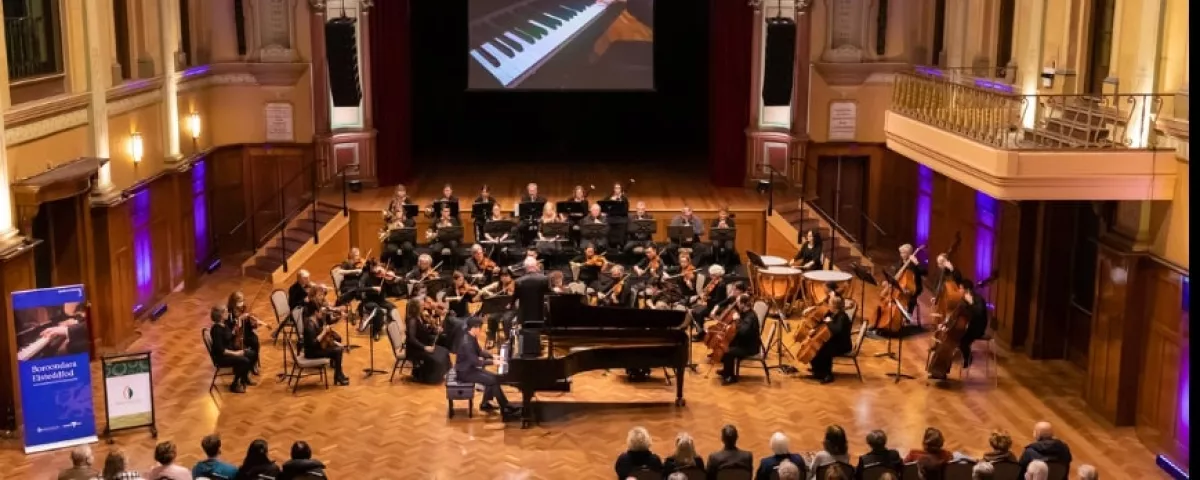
(468, 364)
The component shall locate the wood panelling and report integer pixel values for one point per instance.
(245, 181)
(891, 202)
(227, 194)
(1012, 293)
(115, 290)
(1163, 397)
(1117, 331)
(16, 274)
(842, 190)
(1051, 282)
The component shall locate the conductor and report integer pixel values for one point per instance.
(530, 292)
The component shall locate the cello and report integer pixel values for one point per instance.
(718, 337)
(817, 337)
(949, 335)
(888, 316)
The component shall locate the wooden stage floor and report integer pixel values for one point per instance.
(376, 429)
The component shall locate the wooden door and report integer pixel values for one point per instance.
(841, 190)
(227, 195)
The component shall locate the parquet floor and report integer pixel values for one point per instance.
(375, 429)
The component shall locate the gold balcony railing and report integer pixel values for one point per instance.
(993, 113)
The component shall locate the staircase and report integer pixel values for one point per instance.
(296, 242)
(845, 253)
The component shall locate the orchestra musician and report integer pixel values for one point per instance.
(351, 271)
(638, 239)
(430, 361)
(374, 289)
(919, 272)
(497, 238)
(397, 203)
(714, 295)
(223, 352)
(480, 269)
(438, 244)
(485, 196)
(651, 265)
(977, 314)
(579, 195)
(461, 294)
(594, 217)
(317, 324)
(687, 218)
(839, 342)
(504, 286)
(615, 288)
(810, 256)
(723, 220)
(240, 320)
(686, 278)
(394, 252)
(548, 245)
(618, 194)
(468, 365)
(423, 271)
(557, 283)
(747, 341)
(447, 195)
(531, 195)
(298, 292)
(662, 294)
(586, 268)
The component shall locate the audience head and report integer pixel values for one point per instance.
(729, 436)
(301, 451)
(877, 440)
(685, 450)
(788, 471)
(779, 443)
(1000, 441)
(1043, 431)
(638, 440)
(114, 464)
(835, 440)
(164, 453)
(81, 456)
(1037, 470)
(256, 454)
(677, 476)
(930, 468)
(933, 441)
(211, 444)
(218, 313)
(1087, 472)
(835, 474)
(983, 471)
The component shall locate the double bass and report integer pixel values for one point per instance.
(719, 336)
(947, 339)
(888, 316)
(948, 294)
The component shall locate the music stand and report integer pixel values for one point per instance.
(494, 305)
(680, 233)
(481, 210)
(530, 210)
(596, 232)
(451, 233)
(644, 227)
(436, 284)
(614, 208)
(571, 208)
(401, 235)
(439, 204)
(411, 210)
(722, 234)
(556, 229)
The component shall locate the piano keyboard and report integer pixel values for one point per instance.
(32, 349)
(512, 44)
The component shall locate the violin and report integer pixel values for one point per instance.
(615, 292)
(708, 289)
(596, 261)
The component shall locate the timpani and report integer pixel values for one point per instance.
(779, 286)
(814, 286)
(773, 261)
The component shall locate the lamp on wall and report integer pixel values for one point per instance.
(193, 125)
(799, 6)
(137, 149)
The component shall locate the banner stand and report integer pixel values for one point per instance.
(128, 393)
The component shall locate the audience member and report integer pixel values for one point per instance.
(213, 467)
(257, 463)
(779, 454)
(684, 457)
(931, 446)
(835, 474)
(930, 467)
(835, 450)
(164, 454)
(677, 476)
(115, 467)
(879, 455)
(1045, 448)
(1087, 472)
(888, 476)
(983, 471)
(1001, 443)
(729, 457)
(1037, 470)
(788, 470)
(81, 465)
(301, 463)
(637, 454)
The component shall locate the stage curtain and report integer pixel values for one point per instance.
(731, 27)
(391, 72)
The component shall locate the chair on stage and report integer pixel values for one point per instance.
(760, 309)
(283, 318)
(304, 367)
(853, 355)
(396, 336)
(456, 390)
(218, 371)
(992, 365)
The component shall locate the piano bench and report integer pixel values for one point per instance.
(459, 391)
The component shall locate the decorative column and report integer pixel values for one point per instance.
(348, 147)
(98, 82)
(9, 237)
(778, 135)
(320, 79)
(1029, 61)
(1145, 67)
(168, 28)
(366, 158)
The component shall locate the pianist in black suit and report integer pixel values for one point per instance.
(468, 365)
(530, 293)
(637, 240)
(747, 342)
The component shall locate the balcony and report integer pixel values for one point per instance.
(980, 132)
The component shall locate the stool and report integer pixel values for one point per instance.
(459, 391)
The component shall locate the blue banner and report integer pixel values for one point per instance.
(53, 363)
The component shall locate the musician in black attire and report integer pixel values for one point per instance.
(594, 217)
(747, 342)
(313, 319)
(298, 292)
(810, 256)
(505, 318)
(977, 315)
(394, 252)
(436, 243)
(374, 308)
(606, 286)
(714, 294)
(485, 197)
(223, 354)
(397, 203)
(468, 365)
(687, 218)
(636, 239)
(430, 361)
(839, 342)
(919, 272)
(531, 195)
(238, 312)
(722, 248)
(447, 195)
(618, 194)
(458, 283)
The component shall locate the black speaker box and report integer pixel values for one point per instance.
(779, 62)
(341, 53)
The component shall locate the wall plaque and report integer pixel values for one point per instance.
(279, 122)
(274, 33)
(843, 121)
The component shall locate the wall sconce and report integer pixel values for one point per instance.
(193, 125)
(137, 149)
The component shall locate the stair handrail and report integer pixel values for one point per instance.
(837, 228)
(277, 197)
(340, 174)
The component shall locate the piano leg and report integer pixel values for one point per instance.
(528, 417)
(679, 400)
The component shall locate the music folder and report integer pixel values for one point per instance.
(402, 235)
(614, 208)
(593, 230)
(571, 208)
(453, 232)
(681, 233)
(496, 228)
(555, 229)
(528, 210)
(411, 210)
(481, 209)
(492, 305)
(722, 234)
(439, 204)
(643, 227)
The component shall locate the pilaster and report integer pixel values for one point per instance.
(9, 239)
(169, 30)
(1146, 71)
(1030, 59)
(1118, 327)
(98, 82)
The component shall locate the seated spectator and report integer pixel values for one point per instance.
(115, 467)
(637, 455)
(257, 463)
(930, 467)
(835, 474)
(779, 454)
(677, 476)
(931, 446)
(1045, 448)
(835, 450)
(213, 467)
(729, 457)
(1087, 472)
(684, 457)
(879, 455)
(1001, 444)
(1037, 470)
(788, 470)
(164, 454)
(81, 465)
(301, 463)
(983, 471)
(888, 476)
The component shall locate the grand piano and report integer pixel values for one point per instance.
(578, 338)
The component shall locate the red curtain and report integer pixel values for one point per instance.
(731, 30)
(391, 87)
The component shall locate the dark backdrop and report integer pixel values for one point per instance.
(448, 120)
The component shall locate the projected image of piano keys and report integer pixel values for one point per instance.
(512, 42)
